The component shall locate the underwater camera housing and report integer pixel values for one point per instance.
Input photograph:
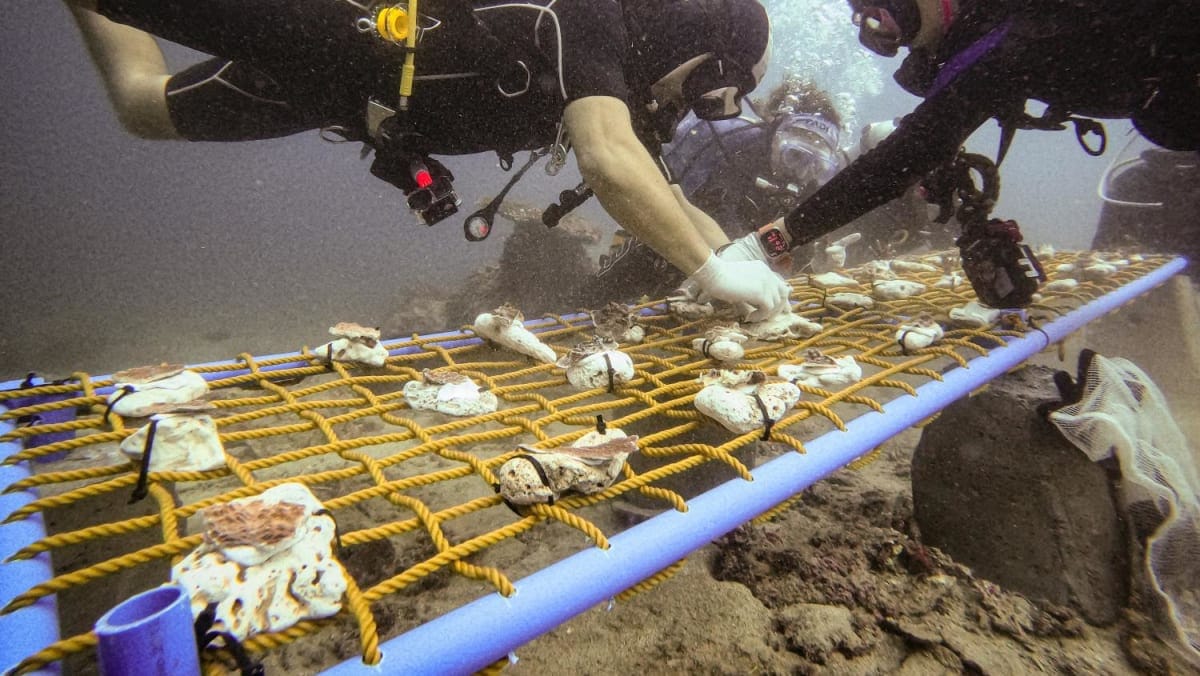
(427, 183)
(1003, 271)
(433, 198)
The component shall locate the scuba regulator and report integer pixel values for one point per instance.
(1003, 272)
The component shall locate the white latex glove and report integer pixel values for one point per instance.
(748, 282)
(749, 248)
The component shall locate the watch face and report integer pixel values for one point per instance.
(774, 243)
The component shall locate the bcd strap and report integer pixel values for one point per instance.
(1052, 119)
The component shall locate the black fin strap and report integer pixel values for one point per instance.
(768, 423)
(140, 490)
(903, 347)
(126, 390)
(601, 426)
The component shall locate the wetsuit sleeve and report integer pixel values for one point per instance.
(593, 36)
(925, 138)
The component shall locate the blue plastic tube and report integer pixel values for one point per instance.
(446, 340)
(34, 627)
(479, 633)
(149, 634)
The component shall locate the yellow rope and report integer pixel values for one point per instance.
(350, 435)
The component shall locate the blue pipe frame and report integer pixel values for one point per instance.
(479, 633)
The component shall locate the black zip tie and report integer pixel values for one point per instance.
(704, 348)
(205, 635)
(126, 390)
(601, 426)
(903, 347)
(768, 423)
(140, 490)
(608, 364)
(337, 536)
(1040, 330)
(541, 472)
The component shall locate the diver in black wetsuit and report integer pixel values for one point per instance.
(608, 79)
(972, 60)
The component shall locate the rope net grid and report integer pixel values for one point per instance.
(421, 527)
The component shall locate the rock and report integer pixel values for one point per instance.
(998, 489)
(816, 631)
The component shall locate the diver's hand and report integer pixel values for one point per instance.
(748, 282)
(749, 248)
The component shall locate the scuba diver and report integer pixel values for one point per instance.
(971, 60)
(753, 169)
(742, 171)
(1151, 202)
(608, 79)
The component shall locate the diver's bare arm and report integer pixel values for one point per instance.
(708, 228)
(134, 72)
(627, 182)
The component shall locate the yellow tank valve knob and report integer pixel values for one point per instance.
(392, 23)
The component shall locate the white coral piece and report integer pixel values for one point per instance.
(353, 344)
(449, 392)
(618, 323)
(849, 301)
(820, 370)
(184, 439)
(267, 562)
(504, 327)
(975, 315)
(596, 363)
(950, 281)
(591, 464)
(836, 252)
(139, 392)
(1060, 285)
(722, 343)
(896, 289)
(784, 325)
(907, 266)
(739, 400)
(919, 332)
(828, 280)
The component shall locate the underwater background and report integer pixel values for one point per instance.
(120, 251)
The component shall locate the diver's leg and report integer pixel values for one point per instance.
(134, 72)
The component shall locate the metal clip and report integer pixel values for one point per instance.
(558, 151)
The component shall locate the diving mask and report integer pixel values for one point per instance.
(804, 150)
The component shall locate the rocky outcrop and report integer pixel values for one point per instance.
(997, 488)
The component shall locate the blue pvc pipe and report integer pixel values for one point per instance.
(477, 634)
(451, 339)
(34, 627)
(149, 634)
